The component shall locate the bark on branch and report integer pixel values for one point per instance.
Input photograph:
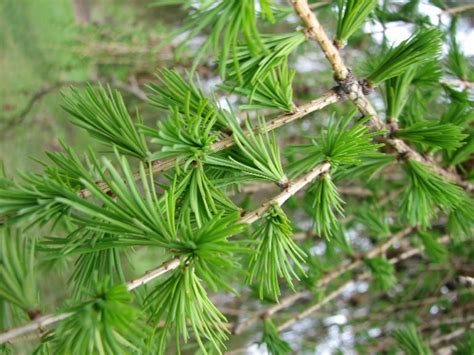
(356, 94)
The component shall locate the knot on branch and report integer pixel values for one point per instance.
(393, 128)
(350, 86)
(34, 314)
(308, 32)
(366, 86)
(284, 184)
(347, 85)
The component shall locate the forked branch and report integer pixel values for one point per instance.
(356, 94)
(325, 100)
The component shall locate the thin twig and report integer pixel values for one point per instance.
(357, 191)
(42, 322)
(37, 324)
(172, 264)
(457, 82)
(315, 31)
(459, 9)
(450, 336)
(333, 295)
(320, 4)
(153, 274)
(163, 165)
(336, 293)
(292, 189)
(341, 289)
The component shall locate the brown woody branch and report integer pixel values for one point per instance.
(356, 92)
(46, 89)
(340, 290)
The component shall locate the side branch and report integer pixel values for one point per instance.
(315, 30)
(291, 190)
(327, 99)
(40, 323)
(294, 187)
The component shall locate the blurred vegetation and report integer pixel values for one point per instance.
(48, 45)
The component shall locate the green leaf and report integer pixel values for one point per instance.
(465, 152)
(209, 250)
(128, 210)
(199, 197)
(248, 67)
(428, 75)
(339, 239)
(276, 254)
(460, 220)
(176, 94)
(458, 113)
(457, 63)
(425, 192)
(258, 155)
(275, 344)
(105, 264)
(327, 203)
(410, 341)
(433, 134)
(17, 271)
(68, 167)
(107, 324)
(227, 21)
(36, 200)
(375, 220)
(420, 48)
(341, 145)
(266, 10)
(184, 137)
(383, 272)
(103, 114)
(371, 164)
(273, 92)
(351, 16)
(397, 91)
(183, 304)
(466, 345)
(436, 251)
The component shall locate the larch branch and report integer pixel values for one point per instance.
(325, 100)
(174, 263)
(356, 94)
(333, 295)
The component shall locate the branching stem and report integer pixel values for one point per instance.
(280, 199)
(325, 100)
(356, 94)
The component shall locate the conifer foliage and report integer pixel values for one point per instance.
(174, 189)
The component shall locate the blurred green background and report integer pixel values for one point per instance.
(49, 45)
